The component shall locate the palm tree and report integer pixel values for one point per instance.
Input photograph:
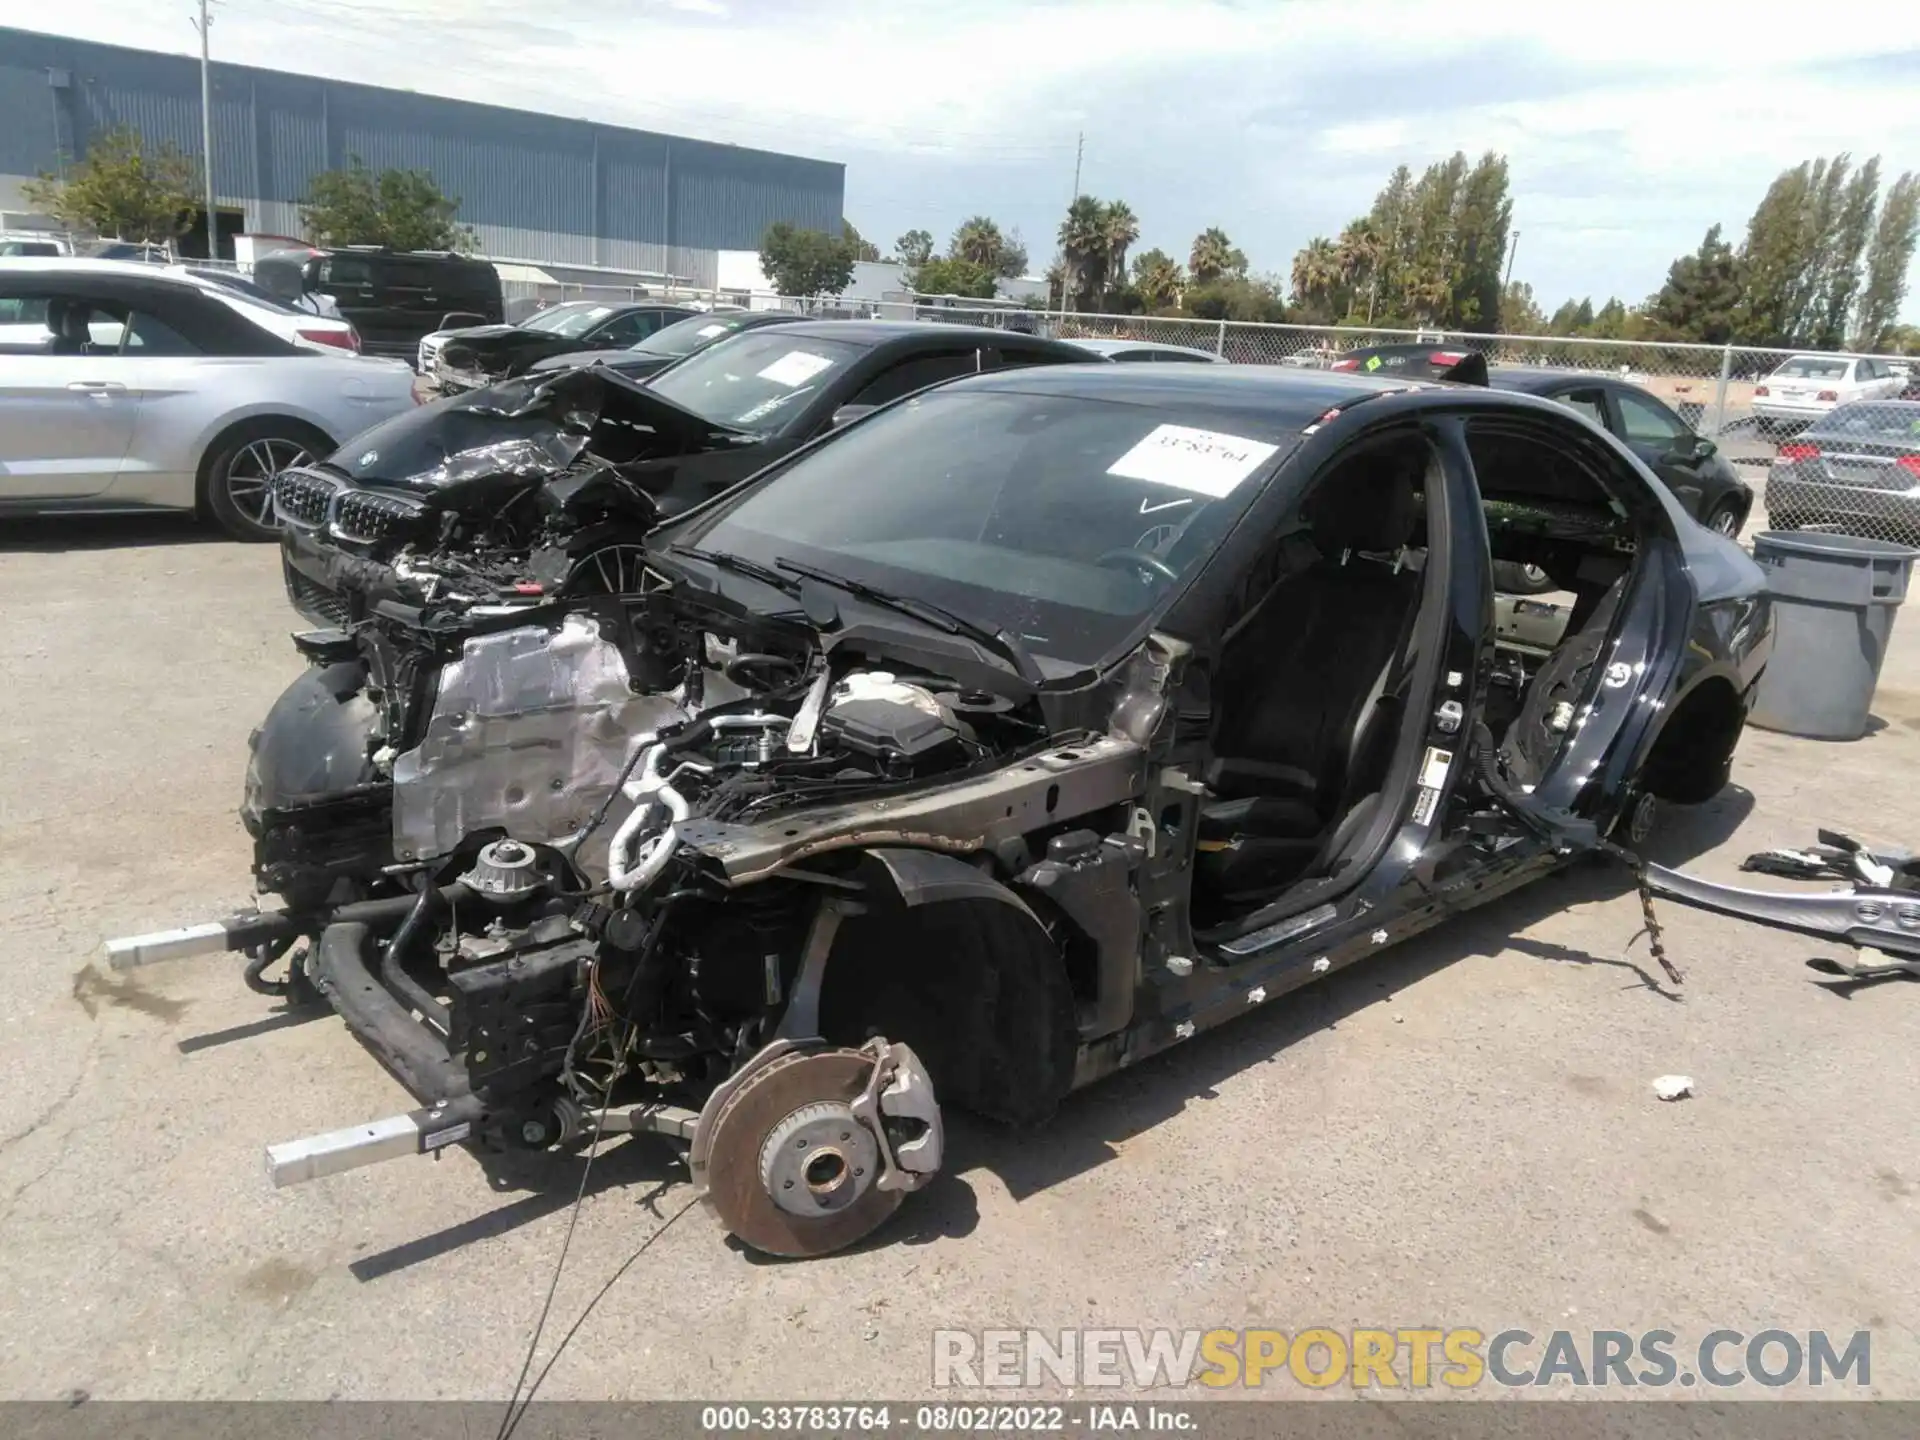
(1212, 256)
(979, 241)
(1083, 250)
(1156, 275)
(1316, 271)
(1123, 228)
(1359, 250)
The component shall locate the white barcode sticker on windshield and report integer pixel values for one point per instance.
(1204, 461)
(709, 330)
(796, 367)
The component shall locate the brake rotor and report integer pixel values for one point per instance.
(789, 1168)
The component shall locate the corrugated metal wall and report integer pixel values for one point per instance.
(537, 187)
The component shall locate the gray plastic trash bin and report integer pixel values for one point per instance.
(1833, 603)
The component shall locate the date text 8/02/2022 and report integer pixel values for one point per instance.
(943, 1418)
(1396, 1359)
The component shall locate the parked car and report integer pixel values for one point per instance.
(1148, 352)
(1708, 487)
(1417, 360)
(303, 327)
(467, 357)
(671, 343)
(123, 387)
(391, 297)
(978, 750)
(1856, 471)
(576, 465)
(43, 246)
(305, 304)
(1807, 387)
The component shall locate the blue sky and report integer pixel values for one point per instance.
(1630, 127)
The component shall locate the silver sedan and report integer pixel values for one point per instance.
(123, 387)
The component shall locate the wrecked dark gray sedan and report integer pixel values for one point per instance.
(998, 740)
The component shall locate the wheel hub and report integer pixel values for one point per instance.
(805, 1152)
(818, 1160)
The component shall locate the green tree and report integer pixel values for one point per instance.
(1214, 257)
(403, 209)
(1123, 228)
(122, 190)
(1701, 298)
(863, 249)
(1845, 245)
(953, 275)
(1566, 320)
(1316, 278)
(1520, 313)
(979, 241)
(1237, 297)
(1084, 251)
(1888, 260)
(914, 248)
(1803, 250)
(1157, 278)
(1482, 216)
(805, 262)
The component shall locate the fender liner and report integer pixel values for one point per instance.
(926, 877)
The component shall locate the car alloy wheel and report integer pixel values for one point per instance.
(249, 477)
(1725, 521)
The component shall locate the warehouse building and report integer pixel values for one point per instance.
(566, 196)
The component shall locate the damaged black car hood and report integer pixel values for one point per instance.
(530, 427)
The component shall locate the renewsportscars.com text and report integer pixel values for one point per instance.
(1399, 1359)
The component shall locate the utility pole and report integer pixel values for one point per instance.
(1079, 151)
(206, 131)
(1512, 250)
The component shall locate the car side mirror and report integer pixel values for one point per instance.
(1703, 448)
(847, 414)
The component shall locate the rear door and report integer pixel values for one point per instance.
(1664, 441)
(67, 409)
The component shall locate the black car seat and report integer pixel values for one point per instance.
(67, 319)
(1310, 690)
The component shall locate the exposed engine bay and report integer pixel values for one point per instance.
(540, 486)
(580, 865)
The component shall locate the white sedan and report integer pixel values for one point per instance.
(123, 387)
(1810, 387)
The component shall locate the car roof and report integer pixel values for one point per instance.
(1532, 379)
(1100, 345)
(1279, 396)
(878, 332)
(80, 265)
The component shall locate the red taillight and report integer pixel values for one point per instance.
(338, 339)
(1446, 357)
(1828, 395)
(1797, 450)
(1344, 365)
(1909, 463)
(1761, 390)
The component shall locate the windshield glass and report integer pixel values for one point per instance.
(573, 319)
(1024, 512)
(756, 380)
(683, 337)
(1876, 422)
(1811, 367)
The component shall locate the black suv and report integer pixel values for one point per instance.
(393, 297)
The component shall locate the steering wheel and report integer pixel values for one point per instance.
(1142, 560)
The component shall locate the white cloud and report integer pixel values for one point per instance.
(1629, 128)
